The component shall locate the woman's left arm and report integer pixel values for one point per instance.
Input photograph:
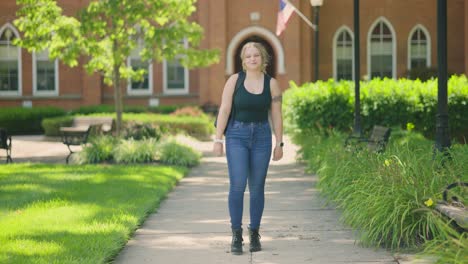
(277, 118)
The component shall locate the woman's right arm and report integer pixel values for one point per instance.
(223, 114)
(226, 104)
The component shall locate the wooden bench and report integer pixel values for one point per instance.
(377, 141)
(5, 143)
(82, 128)
(454, 209)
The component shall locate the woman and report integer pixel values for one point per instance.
(249, 139)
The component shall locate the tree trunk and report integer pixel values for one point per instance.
(117, 99)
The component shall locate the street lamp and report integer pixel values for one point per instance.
(316, 4)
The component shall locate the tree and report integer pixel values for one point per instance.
(106, 32)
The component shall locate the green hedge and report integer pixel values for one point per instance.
(95, 109)
(385, 102)
(200, 127)
(22, 121)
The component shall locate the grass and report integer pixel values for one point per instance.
(76, 214)
(386, 196)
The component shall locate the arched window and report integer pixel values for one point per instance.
(343, 64)
(381, 51)
(419, 51)
(10, 62)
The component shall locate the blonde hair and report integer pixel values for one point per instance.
(263, 54)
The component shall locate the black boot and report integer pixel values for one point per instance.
(254, 240)
(236, 244)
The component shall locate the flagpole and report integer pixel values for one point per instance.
(314, 27)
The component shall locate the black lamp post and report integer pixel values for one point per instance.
(357, 71)
(316, 4)
(442, 128)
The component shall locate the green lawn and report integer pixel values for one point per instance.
(76, 214)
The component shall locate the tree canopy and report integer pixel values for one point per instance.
(106, 32)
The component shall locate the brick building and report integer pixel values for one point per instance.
(396, 35)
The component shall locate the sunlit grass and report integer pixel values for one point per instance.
(76, 214)
(390, 197)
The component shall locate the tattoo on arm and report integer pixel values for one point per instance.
(278, 98)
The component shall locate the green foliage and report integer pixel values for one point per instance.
(108, 32)
(135, 151)
(201, 127)
(19, 120)
(140, 131)
(52, 125)
(392, 103)
(76, 213)
(422, 74)
(148, 125)
(155, 27)
(172, 153)
(388, 196)
(100, 149)
(95, 109)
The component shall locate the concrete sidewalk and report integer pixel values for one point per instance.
(192, 224)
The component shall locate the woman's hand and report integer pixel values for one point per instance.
(218, 149)
(277, 153)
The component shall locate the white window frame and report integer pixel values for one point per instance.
(394, 50)
(56, 77)
(428, 40)
(185, 89)
(335, 40)
(20, 71)
(148, 91)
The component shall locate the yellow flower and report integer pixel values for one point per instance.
(387, 162)
(429, 202)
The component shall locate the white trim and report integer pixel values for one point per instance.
(167, 90)
(148, 91)
(260, 31)
(394, 41)
(20, 71)
(428, 40)
(335, 39)
(56, 76)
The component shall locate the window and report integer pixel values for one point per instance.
(175, 76)
(10, 62)
(145, 85)
(343, 55)
(45, 74)
(381, 58)
(419, 49)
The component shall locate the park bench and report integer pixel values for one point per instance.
(5, 143)
(454, 209)
(376, 142)
(82, 128)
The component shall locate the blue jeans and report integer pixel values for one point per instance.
(248, 152)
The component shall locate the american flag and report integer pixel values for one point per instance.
(284, 13)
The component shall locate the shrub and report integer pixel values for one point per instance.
(383, 102)
(386, 196)
(24, 121)
(422, 74)
(52, 126)
(149, 125)
(100, 149)
(133, 151)
(140, 131)
(173, 153)
(188, 111)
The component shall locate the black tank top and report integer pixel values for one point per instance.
(249, 107)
